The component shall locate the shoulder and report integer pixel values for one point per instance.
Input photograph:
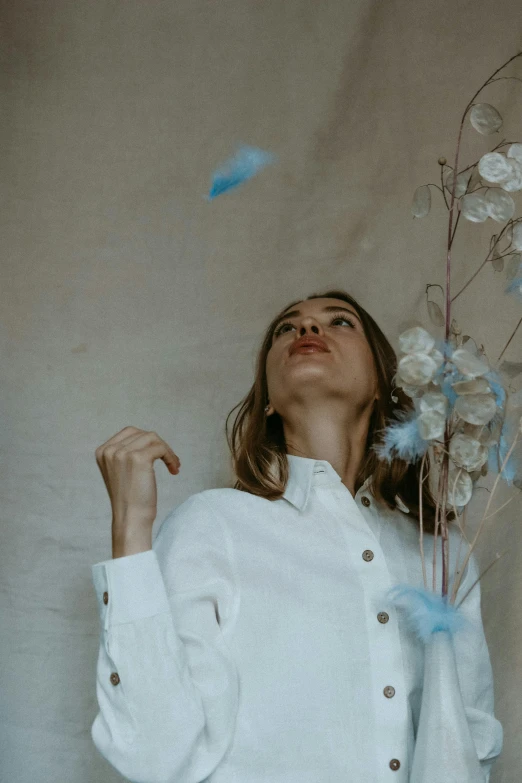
(208, 503)
(227, 500)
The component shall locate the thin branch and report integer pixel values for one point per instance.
(436, 186)
(455, 229)
(506, 345)
(421, 522)
(462, 536)
(472, 277)
(489, 81)
(481, 575)
(505, 77)
(442, 183)
(502, 506)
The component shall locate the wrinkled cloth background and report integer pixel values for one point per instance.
(128, 299)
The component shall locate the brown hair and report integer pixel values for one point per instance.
(258, 446)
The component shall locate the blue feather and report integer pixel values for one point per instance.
(244, 165)
(427, 612)
(402, 438)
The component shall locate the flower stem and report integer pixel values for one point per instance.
(421, 523)
(451, 234)
(477, 534)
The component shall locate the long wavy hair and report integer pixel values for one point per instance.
(258, 447)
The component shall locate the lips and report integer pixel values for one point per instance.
(312, 342)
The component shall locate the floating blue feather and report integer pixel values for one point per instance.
(427, 612)
(244, 165)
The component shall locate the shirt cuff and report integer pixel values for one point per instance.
(129, 588)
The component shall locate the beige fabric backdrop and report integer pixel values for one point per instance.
(126, 298)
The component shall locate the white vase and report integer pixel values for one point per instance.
(444, 749)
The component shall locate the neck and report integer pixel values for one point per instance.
(335, 436)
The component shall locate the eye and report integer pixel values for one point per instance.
(342, 318)
(280, 328)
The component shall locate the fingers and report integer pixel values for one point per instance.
(120, 436)
(123, 439)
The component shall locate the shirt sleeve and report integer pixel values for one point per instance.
(476, 675)
(166, 684)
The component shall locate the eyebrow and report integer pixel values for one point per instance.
(327, 309)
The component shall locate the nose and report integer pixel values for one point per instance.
(308, 325)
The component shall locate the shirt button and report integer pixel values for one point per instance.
(383, 617)
(114, 678)
(395, 764)
(365, 501)
(367, 555)
(106, 598)
(389, 691)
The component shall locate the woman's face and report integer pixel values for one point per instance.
(346, 370)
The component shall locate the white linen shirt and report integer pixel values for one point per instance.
(253, 642)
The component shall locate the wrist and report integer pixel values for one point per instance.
(130, 540)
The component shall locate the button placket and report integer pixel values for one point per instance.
(383, 617)
(381, 661)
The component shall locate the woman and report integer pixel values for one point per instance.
(251, 641)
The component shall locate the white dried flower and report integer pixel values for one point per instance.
(474, 207)
(495, 167)
(433, 401)
(417, 368)
(515, 151)
(514, 182)
(475, 386)
(437, 357)
(485, 118)
(476, 408)
(410, 390)
(416, 340)
(467, 452)
(468, 364)
(461, 494)
(421, 201)
(462, 182)
(475, 180)
(431, 424)
(501, 206)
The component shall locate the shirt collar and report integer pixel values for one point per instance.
(301, 472)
